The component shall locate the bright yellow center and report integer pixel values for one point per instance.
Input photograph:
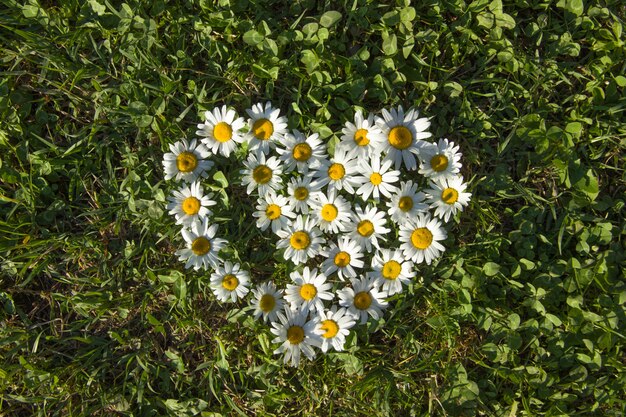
(329, 212)
(342, 259)
(295, 335)
(400, 137)
(230, 282)
(360, 137)
(267, 303)
(201, 246)
(391, 270)
(273, 211)
(331, 329)
(308, 291)
(450, 196)
(222, 132)
(262, 174)
(301, 193)
(439, 162)
(405, 203)
(421, 238)
(336, 171)
(300, 240)
(191, 206)
(186, 161)
(365, 228)
(362, 300)
(263, 129)
(376, 178)
(302, 152)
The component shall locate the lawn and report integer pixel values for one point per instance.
(524, 314)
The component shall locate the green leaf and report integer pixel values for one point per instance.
(220, 178)
(330, 18)
(588, 184)
(453, 89)
(390, 44)
(491, 268)
(252, 37)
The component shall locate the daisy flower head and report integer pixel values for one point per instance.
(186, 161)
(333, 327)
(406, 203)
(268, 301)
(230, 282)
(266, 127)
(363, 137)
(221, 130)
(189, 204)
(308, 291)
(391, 270)
(367, 227)
(363, 299)
(376, 179)
(301, 240)
(440, 160)
(202, 246)
(342, 258)
(338, 172)
(420, 239)
(273, 210)
(403, 136)
(261, 173)
(447, 197)
(296, 335)
(301, 152)
(302, 193)
(332, 212)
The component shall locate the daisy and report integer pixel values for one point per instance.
(364, 137)
(342, 258)
(202, 246)
(301, 152)
(273, 210)
(295, 334)
(334, 326)
(266, 127)
(447, 197)
(440, 161)
(391, 270)
(376, 179)
(363, 299)
(406, 203)
(339, 172)
(367, 227)
(420, 238)
(301, 240)
(308, 290)
(302, 193)
(189, 204)
(332, 212)
(268, 301)
(261, 173)
(187, 161)
(403, 136)
(230, 282)
(221, 130)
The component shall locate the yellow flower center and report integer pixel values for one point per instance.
(405, 203)
(360, 137)
(295, 335)
(336, 171)
(421, 238)
(301, 193)
(308, 291)
(439, 162)
(300, 240)
(331, 329)
(391, 270)
(450, 196)
(273, 211)
(262, 174)
(400, 137)
(267, 303)
(230, 282)
(222, 132)
(186, 161)
(342, 259)
(263, 129)
(365, 228)
(201, 246)
(362, 300)
(329, 212)
(302, 152)
(191, 206)
(376, 178)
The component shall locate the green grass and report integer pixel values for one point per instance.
(523, 315)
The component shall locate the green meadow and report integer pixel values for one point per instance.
(524, 314)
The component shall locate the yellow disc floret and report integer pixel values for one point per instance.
(186, 161)
(365, 228)
(263, 129)
(450, 196)
(421, 238)
(295, 335)
(308, 291)
(376, 178)
(301, 193)
(267, 303)
(201, 246)
(191, 206)
(405, 203)
(391, 270)
(230, 282)
(400, 137)
(302, 152)
(329, 212)
(262, 174)
(330, 327)
(336, 171)
(222, 132)
(342, 259)
(439, 162)
(360, 137)
(300, 240)
(362, 300)
(273, 211)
